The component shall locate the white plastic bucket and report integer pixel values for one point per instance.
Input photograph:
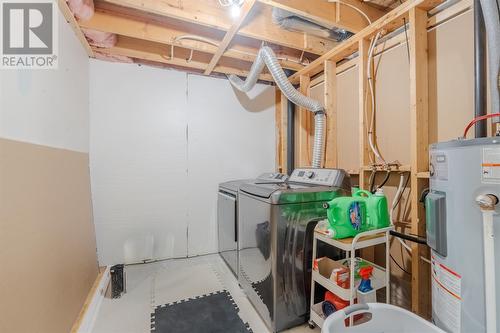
(385, 318)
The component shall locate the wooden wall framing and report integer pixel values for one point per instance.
(413, 12)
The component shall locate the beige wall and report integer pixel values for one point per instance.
(47, 251)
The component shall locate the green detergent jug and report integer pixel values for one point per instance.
(364, 211)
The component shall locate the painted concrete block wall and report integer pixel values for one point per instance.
(47, 235)
(160, 142)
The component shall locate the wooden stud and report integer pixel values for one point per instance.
(330, 92)
(365, 106)
(365, 111)
(281, 131)
(228, 37)
(419, 117)
(303, 156)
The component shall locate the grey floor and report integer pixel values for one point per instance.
(154, 284)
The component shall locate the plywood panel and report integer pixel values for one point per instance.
(451, 78)
(393, 104)
(347, 117)
(47, 237)
(348, 120)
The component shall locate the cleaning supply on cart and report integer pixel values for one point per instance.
(364, 211)
(333, 303)
(333, 270)
(359, 264)
(365, 273)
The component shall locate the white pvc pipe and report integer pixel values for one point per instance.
(489, 271)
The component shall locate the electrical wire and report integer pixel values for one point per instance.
(227, 3)
(190, 37)
(371, 131)
(400, 267)
(396, 201)
(475, 120)
(406, 35)
(372, 180)
(404, 188)
(303, 61)
(386, 179)
(426, 260)
(353, 7)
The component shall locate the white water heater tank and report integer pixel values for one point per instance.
(460, 171)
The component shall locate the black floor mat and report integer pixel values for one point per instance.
(212, 313)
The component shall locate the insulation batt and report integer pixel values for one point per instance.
(99, 38)
(82, 9)
(113, 58)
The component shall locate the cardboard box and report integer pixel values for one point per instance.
(333, 270)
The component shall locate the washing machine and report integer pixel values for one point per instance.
(275, 226)
(227, 217)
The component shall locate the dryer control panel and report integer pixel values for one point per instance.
(272, 177)
(324, 177)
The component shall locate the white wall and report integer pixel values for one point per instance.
(49, 107)
(231, 136)
(160, 142)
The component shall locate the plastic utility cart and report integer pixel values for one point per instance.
(348, 293)
(385, 318)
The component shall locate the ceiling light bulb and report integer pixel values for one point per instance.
(235, 10)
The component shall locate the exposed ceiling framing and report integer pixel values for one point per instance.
(149, 31)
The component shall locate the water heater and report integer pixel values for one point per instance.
(462, 171)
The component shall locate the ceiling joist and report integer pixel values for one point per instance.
(160, 33)
(209, 13)
(245, 10)
(218, 42)
(158, 53)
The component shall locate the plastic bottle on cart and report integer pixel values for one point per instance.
(347, 216)
(378, 212)
(364, 211)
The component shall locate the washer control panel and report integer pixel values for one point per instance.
(325, 177)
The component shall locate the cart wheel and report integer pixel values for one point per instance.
(312, 325)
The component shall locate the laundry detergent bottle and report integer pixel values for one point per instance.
(364, 211)
(378, 212)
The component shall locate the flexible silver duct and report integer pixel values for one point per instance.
(492, 23)
(267, 57)
(293, 22)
